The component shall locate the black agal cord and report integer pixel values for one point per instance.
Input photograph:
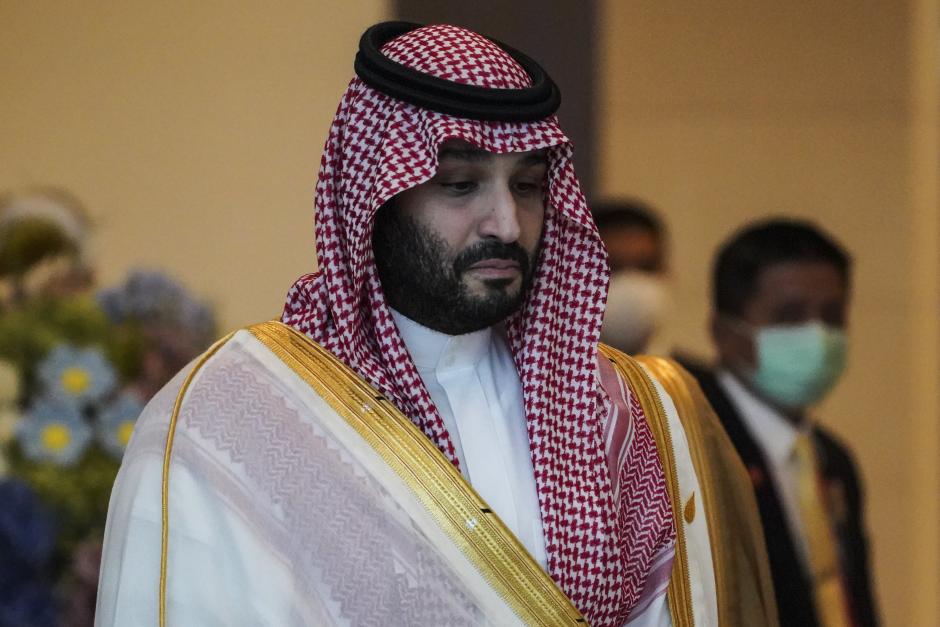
(466, 101)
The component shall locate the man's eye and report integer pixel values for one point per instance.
(527, 187)
(460, 187)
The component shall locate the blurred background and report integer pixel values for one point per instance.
(191, 134)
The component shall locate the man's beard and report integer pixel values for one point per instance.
(423, 283)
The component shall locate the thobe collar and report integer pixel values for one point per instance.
(433, 350)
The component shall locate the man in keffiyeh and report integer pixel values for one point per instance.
(432, 434)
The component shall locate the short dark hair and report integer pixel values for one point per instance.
(757, 246)
(627, 212)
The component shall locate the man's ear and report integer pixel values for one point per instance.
(734, 347)
(717, 328)
(719, 333)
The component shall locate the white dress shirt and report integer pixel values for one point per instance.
(776, 438)
(474, 383)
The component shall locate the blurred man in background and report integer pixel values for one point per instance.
(781, 293)
(637, 300)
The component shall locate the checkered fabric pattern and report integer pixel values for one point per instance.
(378, 147)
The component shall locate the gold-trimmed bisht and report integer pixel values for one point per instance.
(679, 594)
(743, 580)
(460, 512)
(743, 583)
(165, 481)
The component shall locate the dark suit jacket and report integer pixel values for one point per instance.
(791, 583)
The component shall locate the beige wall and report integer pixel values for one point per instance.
(192, 130)
(924, 344)
(725, 111)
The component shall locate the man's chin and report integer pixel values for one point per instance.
(480, 304)
(487, 289)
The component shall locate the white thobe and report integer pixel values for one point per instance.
(474, 383)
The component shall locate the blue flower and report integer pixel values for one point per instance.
(154, 298)
(197, 317)
(27, 600)
(27, 540)
(76, 376)
(116, 423)
(144, 296)
(27, 530)
(53, 432)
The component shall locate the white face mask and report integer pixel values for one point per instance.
(636, 306)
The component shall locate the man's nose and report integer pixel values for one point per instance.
(501, 218)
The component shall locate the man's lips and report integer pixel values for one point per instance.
(495, 268)
(499, 264)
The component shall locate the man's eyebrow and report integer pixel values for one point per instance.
(468, 152)
(539, 157)
(464, 152)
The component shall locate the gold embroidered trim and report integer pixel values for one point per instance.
(437, 484)
(689, 511)
(717, 464)
(679, 595)
(165, 496)
(671, 379)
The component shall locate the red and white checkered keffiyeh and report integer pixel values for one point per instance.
(599, 551)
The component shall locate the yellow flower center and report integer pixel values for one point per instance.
(125, 431)
(56, 437)
(76, 380)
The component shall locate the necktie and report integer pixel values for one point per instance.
(828, 591)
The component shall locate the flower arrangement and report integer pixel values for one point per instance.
(76, 369)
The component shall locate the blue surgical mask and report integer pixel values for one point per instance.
(798, 364)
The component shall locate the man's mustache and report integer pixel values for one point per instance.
(492, 249)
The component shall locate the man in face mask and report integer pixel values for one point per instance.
(781, 293)
(637, 300)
